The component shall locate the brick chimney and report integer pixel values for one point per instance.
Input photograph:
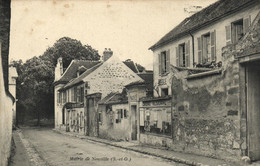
(107, 53)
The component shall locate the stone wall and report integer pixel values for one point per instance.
(206, 118)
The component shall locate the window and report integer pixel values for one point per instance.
(206, 48)
(182, 55)
(75, 94)
(100, 117)
(81, 94)
(119, 115)
(164, 62)
(164, 92)
(72, 94)
(155, 121)
(64, 97)
(125, 113)
(59, 97)
(237, 30)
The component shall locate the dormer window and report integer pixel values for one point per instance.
(81, 70)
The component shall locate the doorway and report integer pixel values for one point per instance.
(134, 122)
(253, 109)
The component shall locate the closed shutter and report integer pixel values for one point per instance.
(213, 45)
(177, 57)
(187, 54)
(246, 24)
(199, 50)
(75, 94)
(228, 34)
(168, 61)
(160, 64)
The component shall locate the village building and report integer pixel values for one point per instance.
(209, 66)
(76, 104)
(7, 100)
(119, 112)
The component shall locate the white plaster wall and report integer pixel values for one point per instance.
(5, 121)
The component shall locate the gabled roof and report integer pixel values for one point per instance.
(71, 71)
(131, 65)
(83, 75)
(114, 98)
(203, 18)
(77, 80)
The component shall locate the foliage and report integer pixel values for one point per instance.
(36, 76)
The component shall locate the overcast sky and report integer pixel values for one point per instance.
(129, 28)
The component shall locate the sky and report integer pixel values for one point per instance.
(128, 27)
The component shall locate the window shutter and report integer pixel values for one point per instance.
(75, 94)
(177, 57)
(246, 24)
(228, 34)
(199, 50)
(213, 45)
(160, 64)
(168, 60)
(187, 54)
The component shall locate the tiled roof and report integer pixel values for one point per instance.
(114, 98)
(202, 18)
(73, 68)
(131, 65)
(83, 75)
(71, 71)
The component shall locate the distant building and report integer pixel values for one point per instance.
(83, 84)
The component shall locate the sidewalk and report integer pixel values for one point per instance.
(25, 153)
(20, 157)
(189, 159)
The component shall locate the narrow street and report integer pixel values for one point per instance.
(57, 149)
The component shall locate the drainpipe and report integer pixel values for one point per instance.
(192, 41)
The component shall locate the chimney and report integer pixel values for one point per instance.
(107, 53)
(59, 69)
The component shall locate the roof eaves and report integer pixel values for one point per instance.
(193, 29)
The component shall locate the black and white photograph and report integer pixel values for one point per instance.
(130, 83)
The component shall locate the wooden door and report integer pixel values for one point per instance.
(253, 109)
(134, 122)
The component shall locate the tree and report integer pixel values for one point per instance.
(36, 76)
(69, 49)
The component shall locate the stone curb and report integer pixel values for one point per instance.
(175, 159)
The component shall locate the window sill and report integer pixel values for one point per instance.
(204, 74)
